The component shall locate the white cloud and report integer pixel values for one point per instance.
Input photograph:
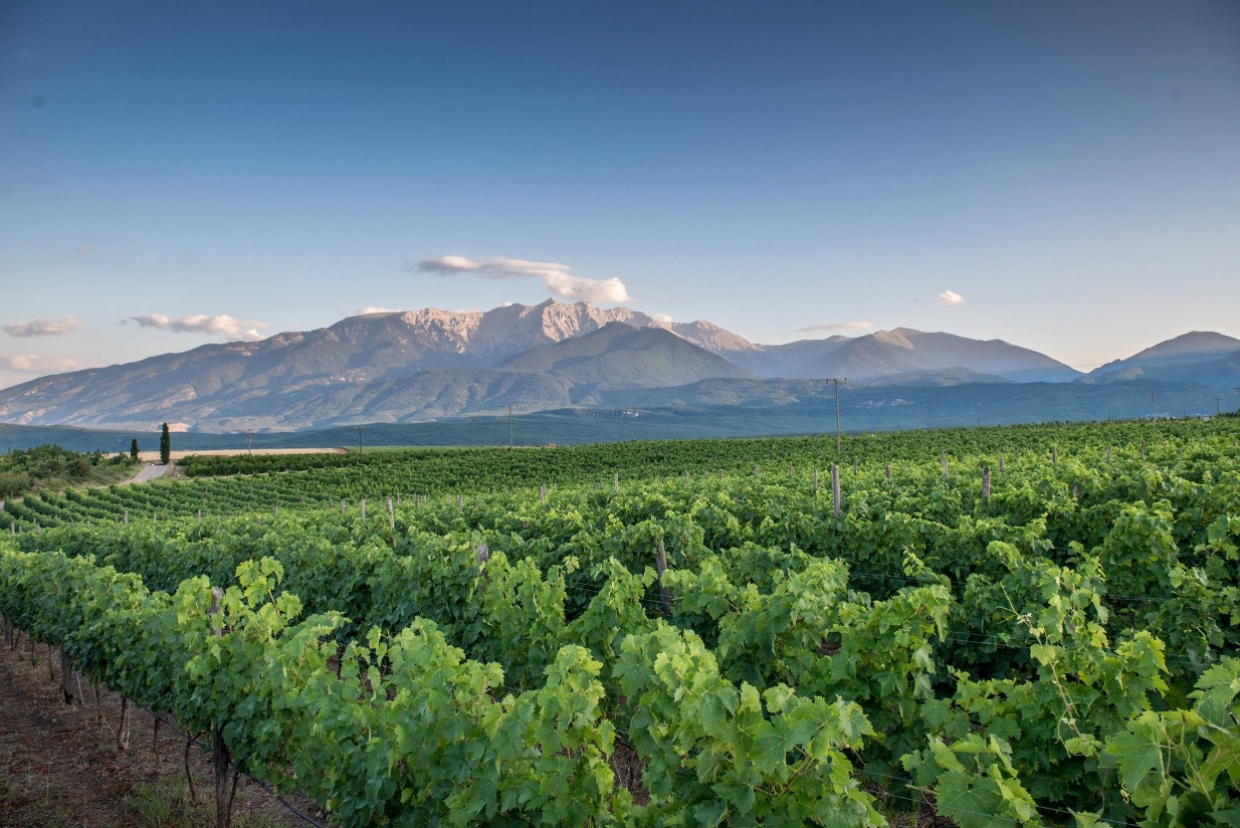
(663, 318)
(950, 297)
(151, 320)
(222, 325)
(852, 326)
(557, 278)
(369, 309)
(42, 327)
(31, 364)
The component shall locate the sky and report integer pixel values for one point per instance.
(1061, 175)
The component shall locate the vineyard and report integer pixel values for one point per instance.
(1026, 625)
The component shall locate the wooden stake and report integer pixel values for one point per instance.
(943, 457)
(835, 490)
(660, 561)
(887, 470)
(815, 481)
(985, 482)
(542, 493)
(391, 515)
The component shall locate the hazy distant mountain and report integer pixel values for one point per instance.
(216, 383)
(404, 367)
(620, 356)
(940, 377)
(788, 360)
(1194, 344)
(904, 350)
(1202, 357)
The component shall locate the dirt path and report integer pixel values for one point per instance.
(60, 765)
(151, 472)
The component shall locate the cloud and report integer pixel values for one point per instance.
(369, 309)
(222, 325)
(31, 364)
(663, 318)
(42, 327)
(950, 297)
(852, 326)
(557, 278)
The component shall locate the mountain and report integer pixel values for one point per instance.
(904, 350)
(1192, 345)
(1202, 357)
(941, 377)
(417, 366)
(215, 384)
(620, 356)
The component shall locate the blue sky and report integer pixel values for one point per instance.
(1070, 170)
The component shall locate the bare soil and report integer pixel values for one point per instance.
(60, 764)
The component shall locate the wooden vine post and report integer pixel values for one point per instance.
(225, 774)
(835, 490)
(660, 561)
(391, 515)
(815, 481)
(986, 482)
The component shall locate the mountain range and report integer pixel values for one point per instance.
(432, 364)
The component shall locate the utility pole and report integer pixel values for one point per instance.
(249, 440)
(510, 428)
(1154, 403)
(836, 383)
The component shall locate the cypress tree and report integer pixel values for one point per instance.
(165, 446)
(133, 449)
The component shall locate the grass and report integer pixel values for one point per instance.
(166, 803)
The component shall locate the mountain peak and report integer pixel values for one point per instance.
(1193, 343)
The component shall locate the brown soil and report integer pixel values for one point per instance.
(60, 764)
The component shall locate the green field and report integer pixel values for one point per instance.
(1031, 624)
